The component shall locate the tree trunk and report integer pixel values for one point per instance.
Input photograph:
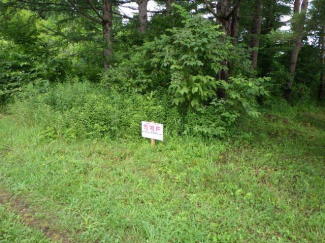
(227, 15)
(107, 31)
(298, 28)
(223, 9)
(143, 15)
(256, 31)
(229, 19)
(296, 6)
(270, 16)
(234, 24)
(322, 75)
(169, 7)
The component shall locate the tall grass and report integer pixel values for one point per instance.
(84, 110)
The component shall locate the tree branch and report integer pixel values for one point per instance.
(122, 15)
(209, 7)
(233, 10)
(83, 13)
(95, 10)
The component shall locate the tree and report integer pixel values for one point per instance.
(317, 27)
(95, 11)
(143, 15)
(255, 31)
(269, 20)
(104, 16)
(299, 17)
(226, 14)
(168, 6)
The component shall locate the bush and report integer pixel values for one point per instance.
(184, 63)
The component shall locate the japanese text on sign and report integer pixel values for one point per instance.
(152, 130)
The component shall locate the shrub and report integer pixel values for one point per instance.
(191, 58)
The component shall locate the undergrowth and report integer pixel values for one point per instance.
(82, 110)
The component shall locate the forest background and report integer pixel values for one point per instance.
(209, 61)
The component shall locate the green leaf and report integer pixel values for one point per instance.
(184, 90)
(195, 89)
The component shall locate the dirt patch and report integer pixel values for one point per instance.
(27, 215)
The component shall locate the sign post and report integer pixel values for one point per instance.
(152, 130)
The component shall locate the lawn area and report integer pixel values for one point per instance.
(265, 185)
(12, 230)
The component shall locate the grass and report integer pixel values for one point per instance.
(12, 230)
(266, 185)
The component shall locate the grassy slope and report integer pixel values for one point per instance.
(267, 186)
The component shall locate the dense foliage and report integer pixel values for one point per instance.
(188, 59)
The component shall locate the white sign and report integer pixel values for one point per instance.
(152, 130)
